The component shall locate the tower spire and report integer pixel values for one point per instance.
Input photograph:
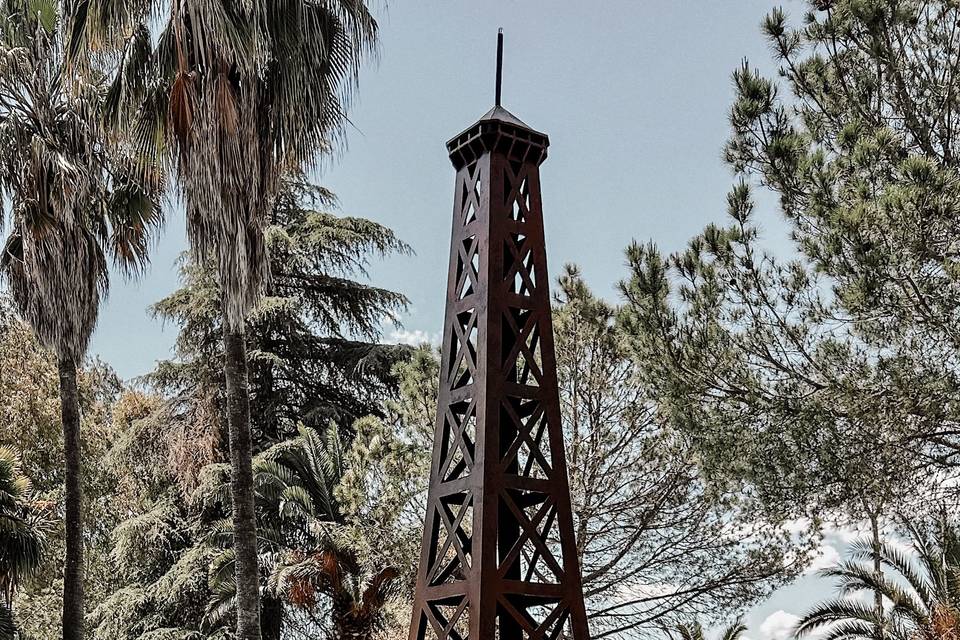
(499, 556)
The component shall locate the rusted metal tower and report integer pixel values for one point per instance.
(499, 556)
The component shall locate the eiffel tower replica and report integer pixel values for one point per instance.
(499, 557)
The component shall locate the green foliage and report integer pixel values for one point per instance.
(315, 367)
(30, 414)
(383, 489)
(22, 542)
(30, 411)
(826, 385)
(340, 515)
(23, 535)
(313, 355)
(158, 552)
(655, 546)
(306, 545)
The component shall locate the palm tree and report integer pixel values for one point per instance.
(74, 206)
(300, 544)
(694, 631)
(293, 487)
(296, 479)
(234, 94)
(22, 536)
(356, 604)
(922, 588)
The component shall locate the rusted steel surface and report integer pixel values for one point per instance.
(499, 556)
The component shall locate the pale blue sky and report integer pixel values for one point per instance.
(634, 96)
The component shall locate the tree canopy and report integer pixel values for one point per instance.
(826, 382)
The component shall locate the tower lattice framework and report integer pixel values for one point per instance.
(498, 557)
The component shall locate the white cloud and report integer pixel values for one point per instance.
(797, 526)
(847, 533)
(778, 625)
(843, 536)
(902, 545)
(414, 338)
(825, 557)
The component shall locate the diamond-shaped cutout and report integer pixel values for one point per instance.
(536, 555)
(525, 438)
(463, 349)
(533, 454)
(520, 206)
(471, 213)
(453, 520)
(468, 263)
(519, 267)
(523, 361)
(516, 322)
(539, 564)
(457, 449)
(472, 188)
(515, 192)
(528, 365)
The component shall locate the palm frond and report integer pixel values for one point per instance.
(73, 207)
(734, 631)
(835, 611)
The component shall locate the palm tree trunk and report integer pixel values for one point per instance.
(878, 573)
(873, 514)
(241, 484)
(73, 561)
(271, 618)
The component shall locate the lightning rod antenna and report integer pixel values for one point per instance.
(499, 63)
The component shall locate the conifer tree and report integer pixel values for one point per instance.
(826, 386)
(656, 545)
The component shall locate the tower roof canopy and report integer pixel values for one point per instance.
(497, 128)
(499, 114)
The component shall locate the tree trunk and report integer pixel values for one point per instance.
(271, 618)
(73, 560)
(241, 484)
(877, 569)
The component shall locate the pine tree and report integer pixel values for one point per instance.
(826, 386)
(656, 546)
(313, 350)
